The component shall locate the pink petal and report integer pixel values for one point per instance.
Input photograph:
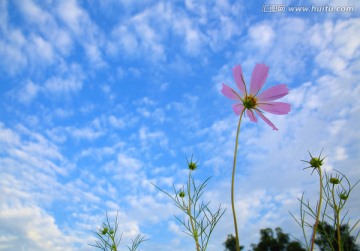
(278, 108)
(238, 108)
(229, 92)
(266, 120)
(239, 79)
(275, 92)
(251, 115)
(258, 78)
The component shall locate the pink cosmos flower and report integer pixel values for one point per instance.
(254, 102)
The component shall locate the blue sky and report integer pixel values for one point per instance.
(100, 98)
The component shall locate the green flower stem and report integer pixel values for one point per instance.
(337, 218)
(233, 183)
(191, 217)
(318, 212)
(114, 246)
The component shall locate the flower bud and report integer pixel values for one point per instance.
(181, 194)
(192, 165)
(104, 231)
(344, 196)
(315, 162)
(334, 181)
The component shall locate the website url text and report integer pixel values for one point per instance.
(324, 8)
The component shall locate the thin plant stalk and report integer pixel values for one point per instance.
(107, 235)
(337, 218)
(201, 220)
(233, 183)
(135, 243)
(191, 217)
(318, 211)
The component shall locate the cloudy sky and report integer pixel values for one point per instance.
(100, 98)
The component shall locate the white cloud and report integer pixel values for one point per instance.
(94, 53)
(225, 31)
(46, 24)
(85, 133)
(148, 109)
(340, 154)
(28, 92)
(125, 168)
(192, 35)
(25, 223)
(216, 24)
(30, 228)
(148, 36)
(69, 83)
(30, 197)
(41, 49)
(262, 35)
(33, 12)
(73, 16)
(46, 38)
(335, 50)
(141, 34)
(62, 41)
(148, 137)
(83, 30)
(153, 27)
(8, 136)
(128, 162)
(12, 53)
(116, 122)
(59, 85)
(63, 113)
(125, 39)
(3, 15)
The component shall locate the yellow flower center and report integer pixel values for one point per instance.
(249, 102)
